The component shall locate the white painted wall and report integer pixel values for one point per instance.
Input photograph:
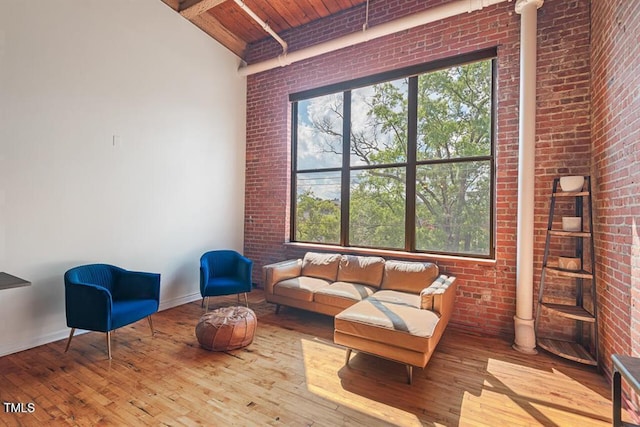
(74, 73)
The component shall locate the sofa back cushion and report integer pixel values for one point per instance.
(322, 266)
(366, 270)
(408, 276)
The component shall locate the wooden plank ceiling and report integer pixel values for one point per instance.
(226, 22)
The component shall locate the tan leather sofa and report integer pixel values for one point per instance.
(392, 309)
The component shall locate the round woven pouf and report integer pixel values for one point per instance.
(226, 328)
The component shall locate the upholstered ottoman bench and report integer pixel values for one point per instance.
(226, 328)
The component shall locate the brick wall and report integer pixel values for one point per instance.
(615, 57)
(563, 137)
(486, 293)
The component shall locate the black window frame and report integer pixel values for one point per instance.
(411, 164)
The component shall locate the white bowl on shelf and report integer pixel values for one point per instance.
(569, 263)
(571, 184)
(571, 223)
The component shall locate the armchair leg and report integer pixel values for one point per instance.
(150, 324)
(202, 303)
(246, 300)
(346, 360)
(69, 340)
(409, 374)
(109, 344)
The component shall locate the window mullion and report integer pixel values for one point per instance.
(345, 193)
(412, 134)
(494, 115)
(294, 173)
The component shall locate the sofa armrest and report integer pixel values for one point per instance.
(274, 273)
(439, 296)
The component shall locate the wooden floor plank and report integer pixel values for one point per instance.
(292, 374)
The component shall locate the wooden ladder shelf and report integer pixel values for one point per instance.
(583, 347)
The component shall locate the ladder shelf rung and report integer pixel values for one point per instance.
(571, 311)
(568, 350)
(576, 194)
(578, 274)
(570, 233)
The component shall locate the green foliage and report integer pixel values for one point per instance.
(377, 209)
(454, 121)
(317, 220)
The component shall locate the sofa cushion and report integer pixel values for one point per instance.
(301, 287)
(366, 270)
(343, 294)
(322, 266)
(395, 297)
(389, 323)
(408, 276)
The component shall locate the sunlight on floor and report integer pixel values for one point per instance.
(475, 390)
(322, 363)
(534, 402)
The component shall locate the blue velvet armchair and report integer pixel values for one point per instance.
(224, 272)
(102, 297)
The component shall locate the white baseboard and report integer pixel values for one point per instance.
(64, 333)
(165, 305)
(35, 342)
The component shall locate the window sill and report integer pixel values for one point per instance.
(435, 258)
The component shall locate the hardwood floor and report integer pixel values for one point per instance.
(292, 374)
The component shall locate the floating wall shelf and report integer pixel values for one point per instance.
(8, 281)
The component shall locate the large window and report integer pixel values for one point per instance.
(400, 161)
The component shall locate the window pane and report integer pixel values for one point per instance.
(320, 132)
(453, 207)
(318, 207)
(454, 112)
(377, 208)
(379, 123)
